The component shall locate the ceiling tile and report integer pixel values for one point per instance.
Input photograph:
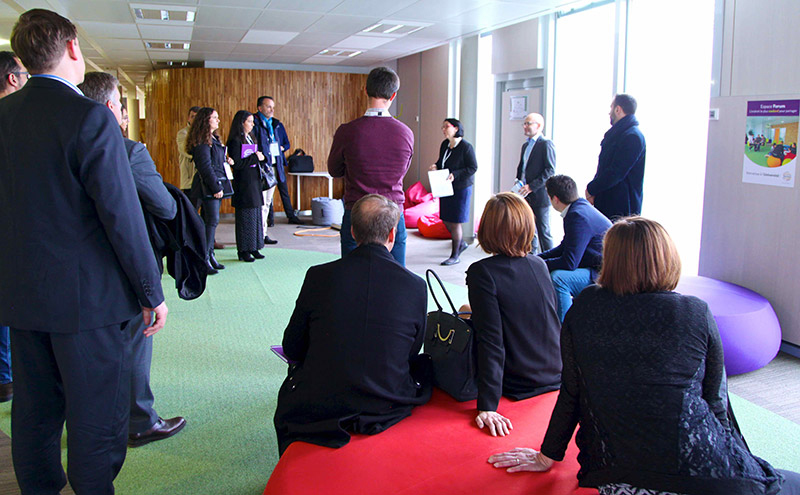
(171, 33)
(316, 39)
(247, 58)
(129, 55)
(363, 42)
(321, 6)
(212, 46)
(371, 7)
(164, 2)
(254, 49)
(282, 20)
(102, 11)
(228, 17)
(285, 59)
(256, 4)
(436, 10)
(268, 37)
(496, 13)
(174, 55)
(410, 44)
(319, 60)
(117, 44)
(217, 34)
(445, 31)
(110, 30)
(299, 51)
(346, 24)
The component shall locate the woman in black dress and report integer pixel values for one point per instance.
(458, 156)
(247, 197)
(643, 376)
(208, 154)
(513, 307)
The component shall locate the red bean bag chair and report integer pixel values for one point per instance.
(437, 450)
(412, 215)
(416, 194)
(432, 226)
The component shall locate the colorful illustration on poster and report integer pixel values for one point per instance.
(770, 142)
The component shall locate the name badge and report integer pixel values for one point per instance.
(274, 149)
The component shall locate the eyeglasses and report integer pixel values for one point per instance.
(528, 124)
(20, 72)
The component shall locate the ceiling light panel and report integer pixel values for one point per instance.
(163, 14)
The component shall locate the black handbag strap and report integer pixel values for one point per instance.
(433, 294)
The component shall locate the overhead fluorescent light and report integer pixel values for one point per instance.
(186, 46)
(354, 54)
(371, 28)
(392, 29)
(168, 45)
(164, 15)
(190, 16)
(138, 13)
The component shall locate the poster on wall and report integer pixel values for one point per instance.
(770, 148)
(519, 108)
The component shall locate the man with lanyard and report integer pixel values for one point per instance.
(537, 163)
(272, 140)
(373, 154)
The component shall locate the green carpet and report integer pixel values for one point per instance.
(212, 364)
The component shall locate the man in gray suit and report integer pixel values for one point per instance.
(537, 163)
(145, 425)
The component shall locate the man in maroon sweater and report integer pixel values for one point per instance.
(373, 153)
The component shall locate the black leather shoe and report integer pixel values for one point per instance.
(257, 255)
(462, 247)
(164, 428)
(6, 391)
(271, 223)
(246, 257)
(450, 261)
(210, 270)
(269, 241)
(216, 264)
(295, 221)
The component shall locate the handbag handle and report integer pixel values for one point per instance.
(433, 294)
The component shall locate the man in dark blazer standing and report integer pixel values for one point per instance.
(145, 425)
(355, 337)
(537, 163)
(82, 268)
(575, 263)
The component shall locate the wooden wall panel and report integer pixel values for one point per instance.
(310, 104)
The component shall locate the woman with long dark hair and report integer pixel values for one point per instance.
(247, 197)
(458, 156)
(208, 154)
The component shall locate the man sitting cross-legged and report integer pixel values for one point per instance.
(355, 335)
(574, 264)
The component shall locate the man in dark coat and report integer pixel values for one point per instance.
(355, 337)
(82, 267)
(145, 425)
(616, 189)
(537, 162)
(575, 263)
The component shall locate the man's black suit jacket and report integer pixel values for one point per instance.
(358, 323)
(541, 166)
(75, 254)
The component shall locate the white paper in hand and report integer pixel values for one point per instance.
(440, 186)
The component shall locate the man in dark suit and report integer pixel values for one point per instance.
(617, 186)
(537, 162)
(355, 337)
(82, 269)
(145, 425)
(575, 262)
(273, 141)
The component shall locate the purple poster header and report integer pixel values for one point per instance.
(773, 108)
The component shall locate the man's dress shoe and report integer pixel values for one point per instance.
(6, 391)
(164, 428)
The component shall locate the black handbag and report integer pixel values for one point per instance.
(449, 339)
(225, 183)
(268, 179)
(301, 164)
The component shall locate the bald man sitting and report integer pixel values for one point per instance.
(537, 163)
(355, 337)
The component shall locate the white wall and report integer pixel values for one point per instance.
(751, 232)
(517, 48)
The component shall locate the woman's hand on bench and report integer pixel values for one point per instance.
(522, 459)
(496, 422)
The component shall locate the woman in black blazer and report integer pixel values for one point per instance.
(458, 156)
(513, 306)
(644, 377)
(208, 155)
(247, 197)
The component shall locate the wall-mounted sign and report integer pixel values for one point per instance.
(519, 108)
(770, 144)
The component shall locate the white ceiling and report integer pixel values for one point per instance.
(254, 32)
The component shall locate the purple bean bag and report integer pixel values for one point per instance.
(748, 326)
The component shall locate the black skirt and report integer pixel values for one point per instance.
(249, 232)
(455, 208)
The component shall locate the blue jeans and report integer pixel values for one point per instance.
(5, 356)
(348, 243)
(568, 284)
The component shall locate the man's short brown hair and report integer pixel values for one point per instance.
(373, 217)
(98, 86)
(507, 226)
(39, 39)
(639, 256)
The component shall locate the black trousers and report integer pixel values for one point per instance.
(283, 190)
(541, 215)
(84, 379)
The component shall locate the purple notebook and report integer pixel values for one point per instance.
(278, 350)
(248, 149)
